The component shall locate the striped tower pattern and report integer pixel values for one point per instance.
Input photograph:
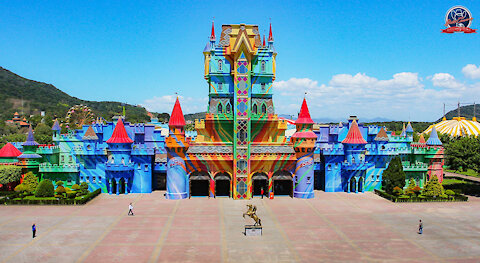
(304, 144)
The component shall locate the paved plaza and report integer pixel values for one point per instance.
(333, 227)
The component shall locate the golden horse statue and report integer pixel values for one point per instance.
(252, 213)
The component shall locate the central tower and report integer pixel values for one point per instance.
(240, 70)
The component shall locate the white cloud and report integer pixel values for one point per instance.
(402, 97)
(471, 71)
(165, 104)
(445, 80)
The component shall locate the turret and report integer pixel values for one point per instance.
(29, 159)
(435, 155)
(409, 131)
(304, 144)
(176, 145)
(381, 139)
(56, 131)
(354, 147)
(119, 168)
(90, 138)
(404, 132)
(9, 154)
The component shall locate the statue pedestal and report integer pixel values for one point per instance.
(251, 230)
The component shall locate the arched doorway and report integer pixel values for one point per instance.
(113, 186)
(353, 185)
(282, 183)
(259, 181)
(360, 184)
(199, 184)
(222, 184)
(121, 186)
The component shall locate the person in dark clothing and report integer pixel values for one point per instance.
(130, 209)
(420, 227)
(34, 230)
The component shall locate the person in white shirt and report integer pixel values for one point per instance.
(130, 209)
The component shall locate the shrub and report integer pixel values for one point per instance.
(417, 190)
(58, 196)
(393, 176)
(59, 183)
(45, 189)
(10, 174)
(84, 188)
(60, 190)
(449, 192)
(71, 195)
(75, 187)
(397, 191)
(20, 188)
(30, 181)
(433, 188)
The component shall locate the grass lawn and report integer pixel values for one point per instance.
(454, 181)
(469, 172)
(32, 197)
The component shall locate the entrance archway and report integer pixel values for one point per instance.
(353, 185)
(222, 184)
(360, 184)
(199, 184)
(121, 186)
(113, 186)
(259, 181)
(282, 183)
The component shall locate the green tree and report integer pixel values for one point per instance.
(463, 153)
(59, 183)
(45, 189)
(43, 134)
(10, 174)
(30, 181)
(433, 188)
(393, 176)
(411, 185)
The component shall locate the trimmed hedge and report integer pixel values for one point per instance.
(405, 199)
(14, 200)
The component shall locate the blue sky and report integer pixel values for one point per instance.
(367, 58)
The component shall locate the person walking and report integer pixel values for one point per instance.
(420, 227)
(261, 192)
(34, 230)
(130, 209)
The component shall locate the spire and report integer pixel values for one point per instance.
(421, 140)
(354, 136)
(30, 139)
(304, 116)
(9, 151)
(90, 134)
(409, 128)
(177, 119)
(56, 126)
(381, 136)
(270, 35)
(263, 40)
(212, 35)
(434, 140)
(119, 134)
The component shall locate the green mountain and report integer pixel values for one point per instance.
(465, 111)
(32, 97)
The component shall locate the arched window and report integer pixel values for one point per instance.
(264, 108)
(228, 108)
(220, 65)
(219, 108)
(220, 86)
(123, 160)
(263, 86)
(263, 66)
(255, 110)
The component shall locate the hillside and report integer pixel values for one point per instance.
(16, 91)
(465, 111)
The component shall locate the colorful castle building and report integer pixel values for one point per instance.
(240, 148)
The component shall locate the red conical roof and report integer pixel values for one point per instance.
(270, 35)
(177, 119)
(9, 151)
(263, 40)
(421, 139)
(304, 116)
(212, 35)
(119, 134)
(354, 136)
